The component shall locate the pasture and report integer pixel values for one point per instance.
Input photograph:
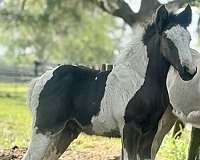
(15, 130)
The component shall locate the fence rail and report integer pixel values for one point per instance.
(22, 74)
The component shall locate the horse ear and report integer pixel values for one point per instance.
(162, 18)
(185, 17)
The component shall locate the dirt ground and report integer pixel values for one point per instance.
(97, 154)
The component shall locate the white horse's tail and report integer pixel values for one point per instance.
(35, 87)
(30, 92)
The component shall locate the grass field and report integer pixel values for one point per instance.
(15, 129)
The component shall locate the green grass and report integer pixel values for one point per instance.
(15, 118)
(15, 128)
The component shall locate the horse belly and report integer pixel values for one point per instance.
(112, 110)
(104, 124)
(110, 118)
(121, 85)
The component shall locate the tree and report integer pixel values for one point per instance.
(45, 30)
(56, 31)
(120, 8)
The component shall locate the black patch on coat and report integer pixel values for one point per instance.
(72, 93)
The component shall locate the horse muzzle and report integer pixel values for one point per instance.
(187, 74)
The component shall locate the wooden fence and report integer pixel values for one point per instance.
(23, 74)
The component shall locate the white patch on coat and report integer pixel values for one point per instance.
(35, 89)
(40, 146)
(184, 95)
(122, 83)
(181, 39)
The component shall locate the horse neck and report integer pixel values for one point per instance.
(158, 67)
(134, 55)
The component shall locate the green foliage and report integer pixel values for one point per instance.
(195, 2)
(174, 149)
(56, 31)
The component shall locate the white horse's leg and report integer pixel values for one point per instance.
(194, 147)
(165, 124)
(51, 147)
(38, 146)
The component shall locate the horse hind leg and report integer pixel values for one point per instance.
(51, 147)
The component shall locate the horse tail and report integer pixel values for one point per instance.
(31, 87)
(35, 87)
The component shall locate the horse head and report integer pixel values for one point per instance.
(175, 40)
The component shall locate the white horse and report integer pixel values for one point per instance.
(185, 103)
(185, 96)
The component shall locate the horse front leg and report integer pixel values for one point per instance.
(51, 147)
(165, 124)
(130, 142)
(194, 148)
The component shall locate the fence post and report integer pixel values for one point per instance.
(103, 67)
(36, 66)
(109, 67)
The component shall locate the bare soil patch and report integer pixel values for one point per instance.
(97, 153)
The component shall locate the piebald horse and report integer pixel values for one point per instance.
(185, 105)
(127, 101)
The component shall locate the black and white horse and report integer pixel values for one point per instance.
(127, 101)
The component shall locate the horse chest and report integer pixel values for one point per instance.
(146, 107)
(188, 100)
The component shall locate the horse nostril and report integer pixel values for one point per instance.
(185, 69)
